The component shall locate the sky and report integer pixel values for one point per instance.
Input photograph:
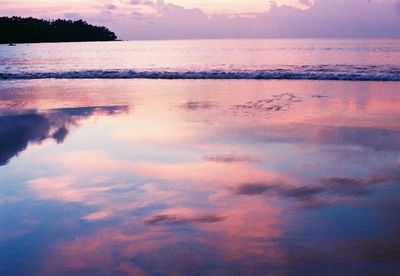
(186, 19)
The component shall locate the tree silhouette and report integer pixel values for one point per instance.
(31, 30)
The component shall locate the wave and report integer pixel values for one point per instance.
(354, 74)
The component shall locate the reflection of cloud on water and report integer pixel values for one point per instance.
(230, 158)
(65, 189)
(324, 190)
(198, 105)
(302, 192)
(227, 230)
(177, 220)
(245, 229)
(159, 243)
(230, 211)
(17, 131)
(132, 237)
(305, 134)
(121, 186)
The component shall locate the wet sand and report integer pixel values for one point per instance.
(213, 176)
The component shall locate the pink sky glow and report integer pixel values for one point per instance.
(177, 19)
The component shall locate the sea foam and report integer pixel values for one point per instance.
(337, 72)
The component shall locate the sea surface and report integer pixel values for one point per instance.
(220, 157)
(366, 59)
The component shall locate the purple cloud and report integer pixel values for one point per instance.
(322, 19)
(356, 18)
(397, 7)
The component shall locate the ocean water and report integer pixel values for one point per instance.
(113, 162)
(366, 59)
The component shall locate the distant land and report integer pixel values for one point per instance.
(32, 30)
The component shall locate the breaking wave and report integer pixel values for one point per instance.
(347, 73)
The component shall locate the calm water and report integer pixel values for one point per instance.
(233, 59)
(198, 177)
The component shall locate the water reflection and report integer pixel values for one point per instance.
(325, 189)
(304, 134)
(183, 185)
(20, 129)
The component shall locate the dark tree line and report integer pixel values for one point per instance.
(31, 30)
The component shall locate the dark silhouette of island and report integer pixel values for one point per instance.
(32, 30)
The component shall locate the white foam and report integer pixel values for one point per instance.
(321, 72)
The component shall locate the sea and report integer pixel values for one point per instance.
(366, 59)
(200, 157)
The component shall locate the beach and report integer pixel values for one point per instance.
(224, 176)
(199, 137)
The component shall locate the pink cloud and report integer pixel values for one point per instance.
(143, 19)
(356, 18)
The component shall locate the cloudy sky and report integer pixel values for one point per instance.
(175, 19)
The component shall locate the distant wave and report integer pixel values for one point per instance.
(348, 73)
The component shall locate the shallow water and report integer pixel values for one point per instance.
(199, 177)
(328, 59)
